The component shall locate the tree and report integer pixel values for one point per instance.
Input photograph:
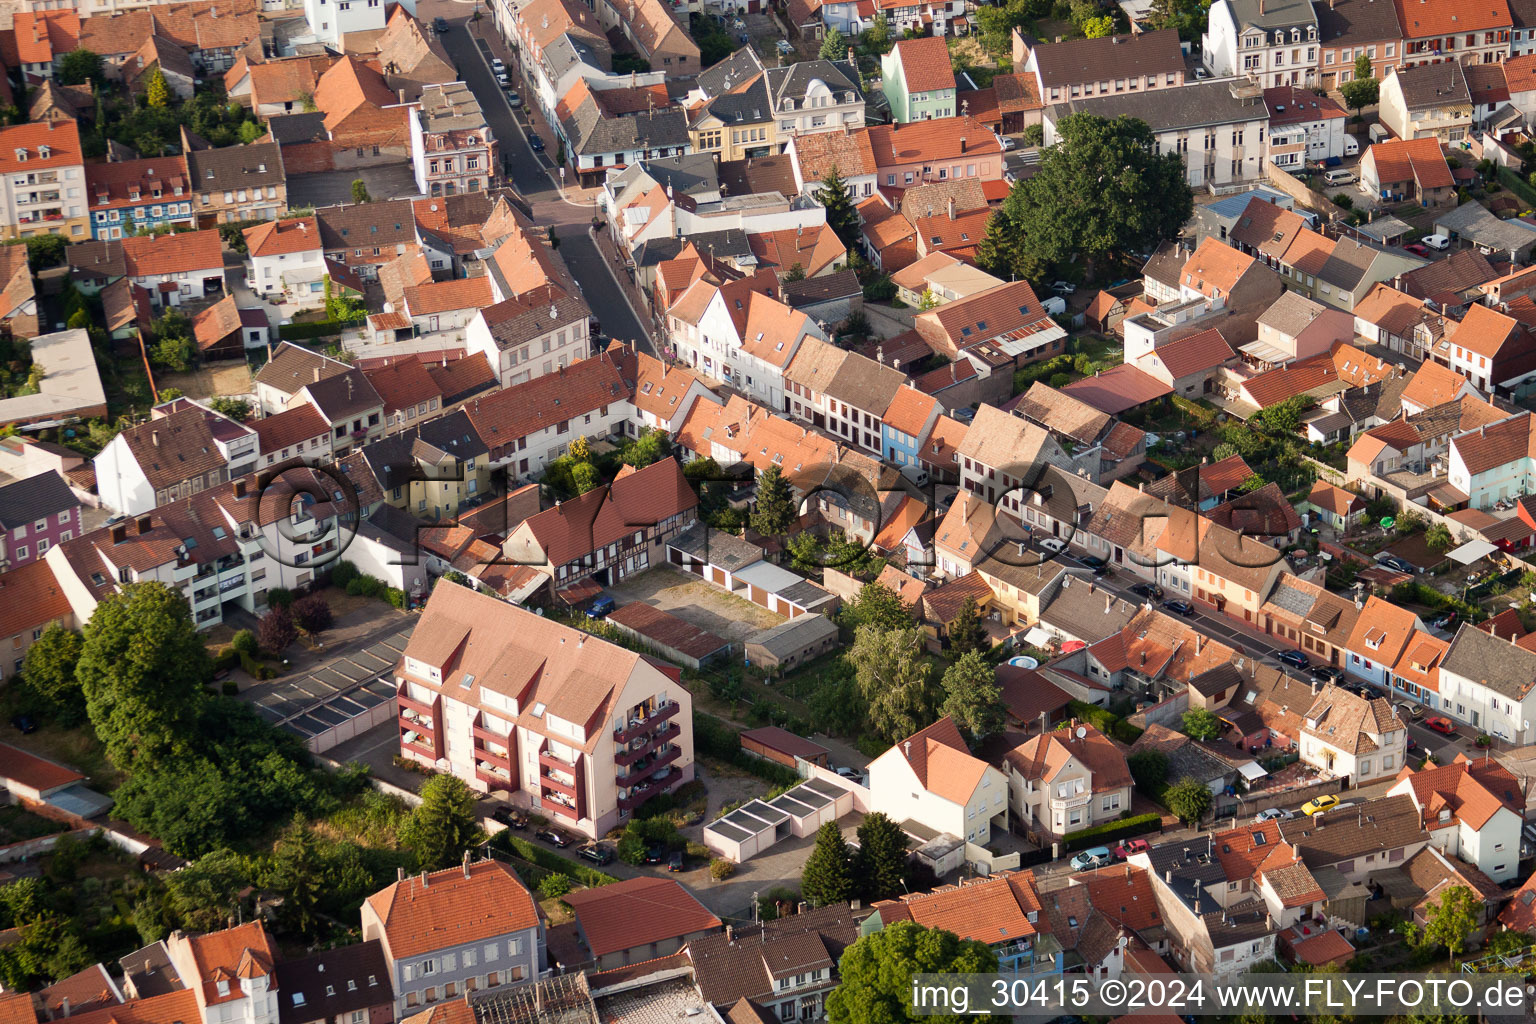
(360, 191)
(249, 132)
(1034, 135)
(1285, 417)
(156, 93)
(50, 672)
(1363, 89)
(142, 668)
(205, 894)
(1450, 922)
(237, 409)
(651, 446)
(1200, 724)
(876, 605)
(584, 477)
(1149, 768)
(806, 551)
(1098, 28)
(1438, 537)
(276, 630)
(79, 67)
(312, 613)
(877, 973)
(881, 859)
(1189, 798)
(1101, 191)
(877, 38)
(965, 631)
(972, 698)
(893, 676)
(842, 217)
(828, 874)
(795, 273)
(833, 45)
(297, 873)
(774, 513)
(1187, 17)
(444, 825)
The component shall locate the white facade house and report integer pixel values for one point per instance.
(1271, 42)
(287, 259)
(1487, 682)
(1353, 738)
(1465, 815)
(931, 778)
(740, 335)
(329, 20)
(1493, 463)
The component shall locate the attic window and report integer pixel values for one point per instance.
(1258, 839)
(1071, 920)
(330, 990)
(981, 325)
(1024, 311)
(98, 579)
(469, 681)
(759, 335)
(538, 710)
(937, 240)
(351, 985)
(218, 533)
(189, 542)
(647, 389)
(965, 332)
(298, 999)
(964, 237)
(372, 981)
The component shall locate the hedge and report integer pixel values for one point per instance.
(1098, 835)
(316, 329)
(553, 861)
(1106, 722)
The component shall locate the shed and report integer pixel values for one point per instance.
(812, 804)
(668, 635)
(791, 643)
(747, 831)
(783, 747)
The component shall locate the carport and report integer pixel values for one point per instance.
(747, 831)
(1471, 551)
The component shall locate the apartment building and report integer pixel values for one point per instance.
(551, 718)
(444, 934)
(1108, 66)
(1428, 101)
(44, 191)
(528, 425)
(1348, 28)
(452, 148)
(130, 195)
(815, 96)
(162, 460)
(1270, 42)
(1440, 33)
(36, 513)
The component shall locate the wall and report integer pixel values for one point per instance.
(1169, 712)
(1279, 178)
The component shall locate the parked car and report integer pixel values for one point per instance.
(675, 862)
(535, 143)
(1295, 658)
(1444, 726)
(1063, 288)
(1151, 590)
(1055, 544)
(1339, 176)
(601, 607)
(552, 837)
(1273, 814)
(510, 818)
(1131, 846)
(497, 65)
(1318, 804)
(514, 100)
(1093, 561)
(1418, 249)
(598, 855)
(25, 723)
(853, 775)
(1399, 564)
(1413, 744)
(1441, 242)
(655, 855)
(439, 25)
(1183, 608)
(1445, 621)
(1009, 143)
(1326, 673)
(1096, 857)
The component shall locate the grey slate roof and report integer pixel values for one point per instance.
(1426, 85)
(1273, 14)
(1345, 22)
(722, 549)
(358, 225)
(1291, 313)
(592, 134)
(258, 164)
(1346, 267)
(728, 244)
(333, 984)
(1492, 661)
(567, 51)
(728, 74)
(793, 635)
(393, 459)
(809, 291)
(290, 128)
(748, 106)
(345, 394)
(1091, 60)
(690, 174)
(793, 81)
(1194, 106)
(23, 502)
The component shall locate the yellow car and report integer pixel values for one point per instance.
(1318, 805)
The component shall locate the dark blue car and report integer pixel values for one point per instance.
(1295, 658)
(600, 608)
(535, 143)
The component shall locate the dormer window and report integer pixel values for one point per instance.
(21, 154)
(223, 988)
(44, 151)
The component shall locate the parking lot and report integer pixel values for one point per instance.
(695, 601)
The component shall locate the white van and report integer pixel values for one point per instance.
(1054, 305)
(1339, 176)
(1351, 146)
(1441, 242)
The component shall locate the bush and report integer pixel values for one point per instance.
(316, 329)
(342, 573)
(396, 597)
(698, 850)
(279, 597)
(276, 630)
(1109, 724)
(1098, 835)
(367, 586)
(230, 688)
(550, 860)
(312, 614)
(244, 642)
(721, 869)
(715, 739)
(555, 885)
(1343, 201)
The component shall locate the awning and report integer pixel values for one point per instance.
(1037, 637)
(1264, 352)
(1250, 770)
(1471, 551)
(1447, 496)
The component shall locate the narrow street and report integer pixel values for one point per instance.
(533, 175)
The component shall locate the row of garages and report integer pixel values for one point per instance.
(755, 826)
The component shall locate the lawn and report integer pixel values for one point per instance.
(1518, 185)
(17, 824)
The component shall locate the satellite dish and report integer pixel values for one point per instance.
(538, 611)
(1082, 731)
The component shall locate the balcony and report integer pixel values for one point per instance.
(651, 765)
(409, 703)
(559, 785)
(567, 811)
(547, 759)
(641, 794)
(500, 758)
(413, 740)
(625, 758)
(492, 776)
(638, 726)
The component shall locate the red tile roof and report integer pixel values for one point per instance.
(604, 514)
(504, 416)
(61, 138)
(30, 598)
(1492, 446)
(283, 237)
(29, 770)
(178, 1007)
(1421, 160)
(454, 906)
(1449, 17)
(183, 253)
(1214, 268)
(638, 912)
(1118, 389)
(1195, 354)
(925, 64)
(288, 428)
(941, 138)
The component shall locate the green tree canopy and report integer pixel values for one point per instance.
(142, 669)
(1451, 921)
(876, 605)
(881, 861)
(156, 92)
(842, 217)
(828, 874)
(1103, 190)
(1189, 798)
(1098, 28)
(79, 67)
(444, 825)
(972, 698)
(50, 672)
(1201, 724)
(1438, 537)
(651, 446)
(360, 191)
(205, 894)
(893, 675)
(965, 631)
(1149, 768)
(877, 38)
(834, 46)
(877, 973)
(1362, 90)
(774, 514)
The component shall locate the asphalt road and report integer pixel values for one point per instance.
(530, 175)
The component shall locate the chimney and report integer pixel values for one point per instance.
(1168, 876)
(240, 487)
(1261, 8)
(730, 933)
(850, 57)
(154, 438)
(907, 748)
(466, 863)
(423, 879)
(317, 375)
(64, 1007)
(962, 146)
(144, 523)
(399, 874)
(951, 207)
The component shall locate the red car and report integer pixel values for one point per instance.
(1417, 249)
(1129, 847)
(1444, 726)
